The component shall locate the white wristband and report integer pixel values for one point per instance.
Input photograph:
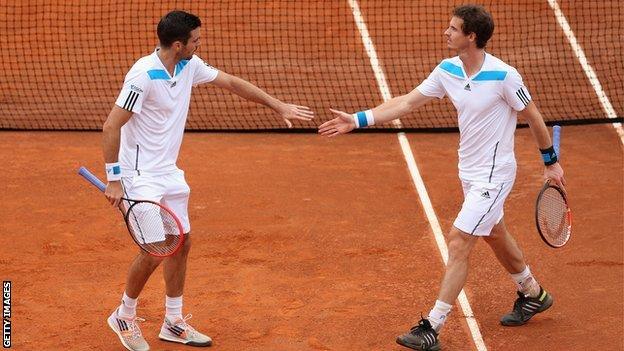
(364, 119)
(113, 171)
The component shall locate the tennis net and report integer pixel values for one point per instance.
(64, 62)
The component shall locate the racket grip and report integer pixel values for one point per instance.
(92, 178)
(557, 139)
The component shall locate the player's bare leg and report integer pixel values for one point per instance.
(174, 269)
(505, 248)
(123, 321)
(141, 269)
(175, 327)
(532, 298)
(424, 336)
(460, 245)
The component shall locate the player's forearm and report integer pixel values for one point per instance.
(251, 92)
(540, 134)
(538, 127)
(391, 109)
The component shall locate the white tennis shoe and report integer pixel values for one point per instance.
(128, 331)
(181, 332)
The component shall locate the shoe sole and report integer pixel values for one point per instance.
(184, 342)
(118, 335)
(547, 304)
(435, 347)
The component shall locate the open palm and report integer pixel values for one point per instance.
(342, 124)
(290, 112)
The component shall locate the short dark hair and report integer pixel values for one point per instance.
(176, 26)
(476, 20)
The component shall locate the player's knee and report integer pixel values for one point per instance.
(150, 261)
(186, 247)
(458, 250)
(498, 233)
(492, 238)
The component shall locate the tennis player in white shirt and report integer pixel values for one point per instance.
(488, 95)
(141, 141)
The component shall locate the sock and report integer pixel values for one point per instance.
(127, 309)
(526, 283)
(437, 316)
(173, 306)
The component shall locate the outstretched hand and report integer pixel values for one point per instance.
(342, 124)
(289, 112)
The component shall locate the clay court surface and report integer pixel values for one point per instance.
(304, 243)
(300, 242)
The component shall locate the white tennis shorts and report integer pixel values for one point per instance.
(483, 206)
(170, 189)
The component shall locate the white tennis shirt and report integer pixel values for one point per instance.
(487, 105)
(151, 140)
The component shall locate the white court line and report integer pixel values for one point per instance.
(589, 70)
(413, 168)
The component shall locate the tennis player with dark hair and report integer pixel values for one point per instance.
(141, 141)
(488, 95)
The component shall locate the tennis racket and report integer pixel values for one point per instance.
(154, 227)
(553, 217)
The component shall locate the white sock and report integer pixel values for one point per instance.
(173, 306)
(437, 316)
(526, 283)
(127, 309)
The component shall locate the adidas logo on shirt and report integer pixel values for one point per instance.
(467, 87)
(485, 194)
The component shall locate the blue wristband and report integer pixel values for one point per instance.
(364, 119)
(113, 171)
(549, 156)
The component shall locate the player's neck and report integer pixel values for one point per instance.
(168, 59)
(472, 60)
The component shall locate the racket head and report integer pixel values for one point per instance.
(553, 217)
(154, 227)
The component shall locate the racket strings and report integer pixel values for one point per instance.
(153, 228)
(553, 217)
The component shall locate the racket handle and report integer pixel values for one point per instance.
(557, 139)
(92, 178)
